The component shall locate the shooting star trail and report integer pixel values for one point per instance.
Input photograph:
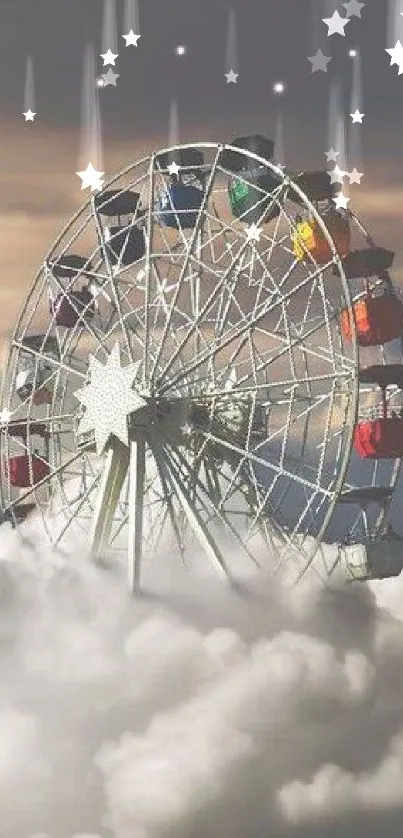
(394, 27)
(131, 17)
(355, 154)
(231, 54)
(91, 135)
(109, 27)
(337, 127)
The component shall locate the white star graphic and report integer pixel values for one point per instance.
(109, 57)
(173, 168)
(331, 155)
(357, 116)
(131, 39)
(396, 54)
(341, 201)
(109, 399)
(337, 175)
(253, 233)
(319, 61)
(353, 7)
(231, 77)
(336, 24)
(29, 115)
(110, 78)
(91, 177)
(354, 176)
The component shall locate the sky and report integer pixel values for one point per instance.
(38, 160)
(194, 714)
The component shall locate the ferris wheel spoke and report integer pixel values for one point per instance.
(45, 481)
(75, 509)
(164, 478)
(187, 259)
(220, 344)
(136, 511)
(62, 365)
(207, 500)
(214, 296)
(114, 472)
(256, 460)
(193, 516)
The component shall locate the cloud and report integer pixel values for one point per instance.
(333, 791)
(192, 713)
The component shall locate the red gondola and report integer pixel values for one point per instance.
(381, 438)
(19, 472)
(378, 317)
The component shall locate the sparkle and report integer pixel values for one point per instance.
(353, 7)
(29, 115)
(319, 61)
(353, 53)
(357, 116)
(91, 177)
(278, 87)
(336, 24)
(131, 39)
(109, 399)
(337, 175)
(173, 168)
(100, 82)
(341, 201)
(354, 176)
(180, 50)
(109, 57)
(396, 56)
(231, 77)
(110, 78)
(253, 233)
(331, 155)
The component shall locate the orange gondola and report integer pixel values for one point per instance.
(378, 317)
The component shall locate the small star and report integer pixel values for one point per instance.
(91, 177)
(173, 168)
(109, 57)
(396, 54)
(353, 8)
(319, 61)
(253, 233)
(336, 24)
(341, 201)
(5, 416)
(337, 175)
(110, 78)
(331, 155)
(231, 77)
(131, 39)
(354, 176)
(357, 116)
(29, 115)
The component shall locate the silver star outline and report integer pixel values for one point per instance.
(108, 399)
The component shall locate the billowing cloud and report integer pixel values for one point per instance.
(195, 713)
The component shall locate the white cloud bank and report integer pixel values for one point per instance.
(194, 715)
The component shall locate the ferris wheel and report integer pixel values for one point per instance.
(210, 359)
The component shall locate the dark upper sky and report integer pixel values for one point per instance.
(38, 161)
(274, 39)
